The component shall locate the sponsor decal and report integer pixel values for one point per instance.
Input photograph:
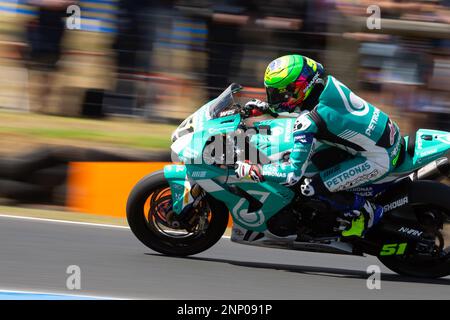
(411, 232)
(302, 123)
(250, 219)
(419, 143)
(331, 171)
(362, 179)
(428, 152)
(275, 65)
(365, 194)
(392, 132)
(363, 191)
(180, 168)
(304, 138)
(288, 131)
(220, 130)
(373, 122)
(395, 153)
(396, 149)
(198, 174)
(313, 81)
(271, 171)
(227, 113)
(179, 197)
(396, 204)
(349, 174)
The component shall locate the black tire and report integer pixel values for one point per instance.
(23, 192)
(432, 195)
(418, 271)
(166, 245)
(22, 166)
(49, 177)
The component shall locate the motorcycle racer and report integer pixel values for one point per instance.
(335, 116)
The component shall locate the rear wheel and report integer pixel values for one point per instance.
(432, 260)
(151, 219)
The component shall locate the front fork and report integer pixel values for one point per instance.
(189, 182)
(180, 187)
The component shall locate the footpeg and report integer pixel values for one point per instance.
(343, 225)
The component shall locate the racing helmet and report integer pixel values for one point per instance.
(290, 79)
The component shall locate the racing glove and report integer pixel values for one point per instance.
(256, 107)
(252, 171)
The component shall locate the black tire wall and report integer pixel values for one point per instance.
(40, 176)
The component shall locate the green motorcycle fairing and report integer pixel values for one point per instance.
(221, 184)
(430, 145)
(192, 136)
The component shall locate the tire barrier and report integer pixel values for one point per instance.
(23, 192)
(103, 189)
(40, 176)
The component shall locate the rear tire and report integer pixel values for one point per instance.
(414, 270)
(173, 246)
(426, 196)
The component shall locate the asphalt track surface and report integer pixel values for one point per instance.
(34, 256)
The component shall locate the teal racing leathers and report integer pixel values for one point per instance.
(344, 120)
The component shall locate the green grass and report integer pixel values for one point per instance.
(41, 129)
(130, 140)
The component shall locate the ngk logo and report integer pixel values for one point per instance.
(411, 232)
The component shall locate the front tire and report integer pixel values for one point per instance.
(143, 225)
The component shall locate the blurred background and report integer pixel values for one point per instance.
(130, 70)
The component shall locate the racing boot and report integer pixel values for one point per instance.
(361, 219)
(359, 214)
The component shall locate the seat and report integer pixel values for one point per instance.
(411, 149)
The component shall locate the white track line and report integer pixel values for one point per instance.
(89, 224)
(65, 221)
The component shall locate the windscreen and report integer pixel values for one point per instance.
(225, 102)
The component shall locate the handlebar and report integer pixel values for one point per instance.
(245, 113)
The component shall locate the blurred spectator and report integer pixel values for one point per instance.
(225, 42)
(136, 29)
(87, 67)
(161, 59)
(13, 83)
(137, 21)
(44, 37)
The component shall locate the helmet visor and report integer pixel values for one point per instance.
(276, 96)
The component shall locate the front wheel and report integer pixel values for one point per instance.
(151, 219)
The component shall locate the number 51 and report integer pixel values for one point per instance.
(391, 249)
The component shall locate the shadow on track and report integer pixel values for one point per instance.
(322, 271)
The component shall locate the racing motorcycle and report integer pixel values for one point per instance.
(184, 209)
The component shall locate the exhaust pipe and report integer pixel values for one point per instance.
(434, 170)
